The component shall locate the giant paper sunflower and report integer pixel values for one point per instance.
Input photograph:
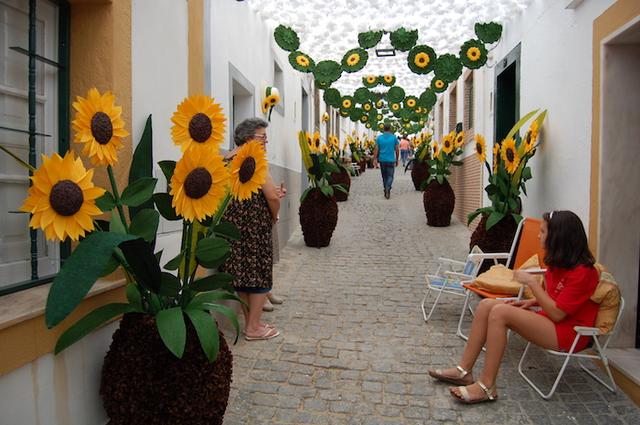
(438, 85)
(198, 185)
(248, 170)
(481, 148)
(198, 124)
(448, 143)
(370, 81)
(62, 198)
(354, 60)
(99, 127)
(496, 157)
(510, 156)
(421, 59)
(388, 80)
(473, 54)
(530, 137)
(301, 61)
(459, 140)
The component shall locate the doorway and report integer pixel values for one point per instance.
(507, 93)
(304, 116)
(619, 247)
(242, 102)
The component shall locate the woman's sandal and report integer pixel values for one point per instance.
(466, 398)
(268, 333)
(438, 374)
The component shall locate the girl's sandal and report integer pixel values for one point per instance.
(459, 380)
(466, 398)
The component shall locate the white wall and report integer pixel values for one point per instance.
(159, 61)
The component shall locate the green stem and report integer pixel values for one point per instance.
(219, 213)
(116, 195)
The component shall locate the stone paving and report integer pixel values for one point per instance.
(354, 348)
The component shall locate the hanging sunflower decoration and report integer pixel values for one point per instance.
(367, 106)
(325, 117)
(198, 124)
(473, 54)
(198, 185)
(510, 156)
(481, 148)
(364, 118)
(459, 140)
(248, 170)
(346, 102)
(370, 81)
(421, 59)
(272, 98)
(354, 60)
(438, 85)
(395, 107)
(99, 127)
(388, 80)
(301, 61)
(410, 102)
(379, 103)
(286, 38)
(344, 113)
(381, 126)
(62, 198)
(530, 137)
(447, 68)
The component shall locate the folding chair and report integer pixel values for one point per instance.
(448, 278)
(526, 243)
(600, 354)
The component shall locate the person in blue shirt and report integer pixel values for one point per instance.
(386, 153)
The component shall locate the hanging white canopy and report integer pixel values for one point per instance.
(328, 28)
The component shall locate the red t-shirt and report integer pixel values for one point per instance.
(572, 289)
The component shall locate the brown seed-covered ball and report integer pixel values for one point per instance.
(200, 127)
(101, 128)
(247, 169)
(66, 198)
(197, 183)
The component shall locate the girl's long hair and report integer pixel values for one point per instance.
(566, 245)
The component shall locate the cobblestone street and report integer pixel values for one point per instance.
(354, 348)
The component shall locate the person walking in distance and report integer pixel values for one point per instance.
(386, 153)
(405, 149)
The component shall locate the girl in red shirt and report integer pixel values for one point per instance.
(570, 280)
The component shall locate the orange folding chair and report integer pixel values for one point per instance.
(526, 244)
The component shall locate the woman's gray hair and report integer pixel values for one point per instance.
(245, 131)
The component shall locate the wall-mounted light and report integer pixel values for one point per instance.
(382, 53)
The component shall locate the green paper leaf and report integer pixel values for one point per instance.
(519, 124)
(90, 322)
(78, 274)
(207, 331)
(133, 296)
(169, 285)
(448, 68)
(230, 314)
(369, 39)
(142, 166)
(172, 330)
(106, 202)
(213, 282)
(228, 230)
(286, 38)
(326, 190)
(145, 224)
(493, 219)
(174, 263)
(139, 192)
(163, 204)
(116, 225)
(211, 249)
(403, 40)
(488, 32)
(332, 97)
(167, 167)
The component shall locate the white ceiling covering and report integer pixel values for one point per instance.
(328, 28)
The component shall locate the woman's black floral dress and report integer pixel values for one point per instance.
(251, 260)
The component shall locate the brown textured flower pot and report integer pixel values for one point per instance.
(497, 239)
(341, 178)
(318, 218)
(363, 165)
(419, 173)
(144, 384)
(438, 200)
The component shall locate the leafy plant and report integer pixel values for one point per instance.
(318, 169)
(444, 155)
(510, 172)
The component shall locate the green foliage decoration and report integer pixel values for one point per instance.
(370, 81)
(438, 85)
(301, 61)
(473, 54)
(326, 72)
(347, 102)
(489, 32)
(421, 59)
(427, 99)
(332, 97)
(395, 94)
(286, 38)
(387, 80)
(369, 39)
(410, 102)
(362, 95)
(448, 68)
(403, 40)
(354, 60)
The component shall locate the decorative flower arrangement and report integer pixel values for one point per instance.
(370, 81)
(271, 99)
(63, 202)
(444, 155)
(388, 80)
(438, 85)
(421, 59)
(318, 168)
(354, 60)
(301, 61)
(403, 40)
(509, 172)
(473, 54)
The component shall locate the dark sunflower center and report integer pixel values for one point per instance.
(510, 155)
(200, 127)
(101, 128)
(247, 169)
(479, 148)
(66, 198)
(421, 59)
(197, 183)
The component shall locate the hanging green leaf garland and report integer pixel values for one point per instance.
(354, 60)
(410, 102)
(395, 94)
(488, 32)
(421, 59)
(301, 61)
(332, 97)
(369, 39)
(473, 54)
(370, 81)
(388, 80)
(347, 102)
(439, 85)
(448, 68)
(362, 95)
(427, 99)
(327, 72)
(403, 40)
(286, 38)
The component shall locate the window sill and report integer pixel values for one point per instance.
(23, 332)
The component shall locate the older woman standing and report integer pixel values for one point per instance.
(251, 259)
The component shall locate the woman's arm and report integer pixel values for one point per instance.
(542, 298)
(271, 194)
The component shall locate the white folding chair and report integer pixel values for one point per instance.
(600, 348)
(448, 279)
